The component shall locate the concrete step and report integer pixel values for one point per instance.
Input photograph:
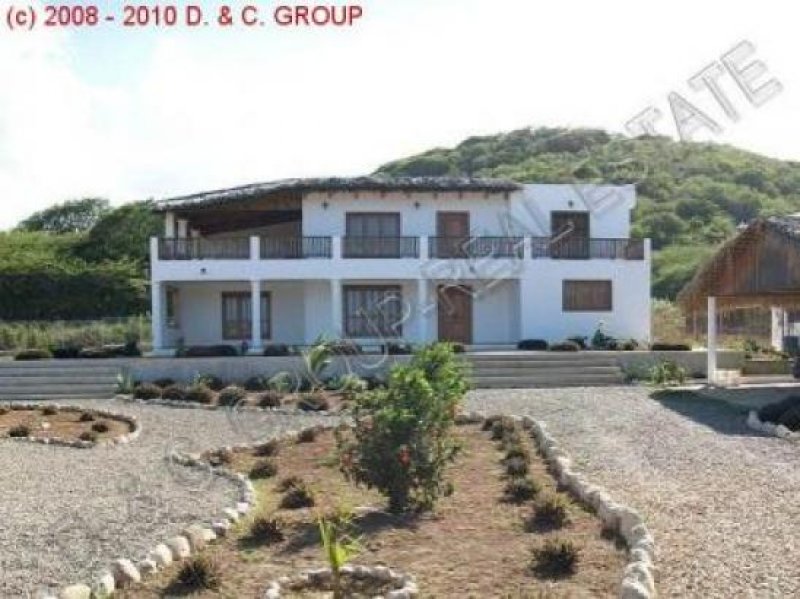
(527, 370)
(6, 397)
(540, 357)
(545, 364)
(59, 388)
(533, 382)
(38, 381)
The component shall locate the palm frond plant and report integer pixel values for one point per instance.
(339, 545)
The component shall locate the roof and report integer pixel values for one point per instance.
(381, 184)
(706, 279)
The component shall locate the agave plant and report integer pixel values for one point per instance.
(339, 545)
(125, 383)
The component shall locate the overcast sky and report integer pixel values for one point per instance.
(134, 114)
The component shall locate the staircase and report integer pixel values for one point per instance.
(529, 370)
(57, 379)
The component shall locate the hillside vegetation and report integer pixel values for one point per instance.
(691, 195)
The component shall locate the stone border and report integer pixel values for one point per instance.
(407, 586)
(637, 581)
(770, 428)
(132, 421)
(192, 405)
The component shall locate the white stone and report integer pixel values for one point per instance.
(242, 507)
(640, 555)
(628, 520)
(161, 555)
(399, 594)
(382, 573)
(105, 585)
(75, 591)
(196, 537)
(125, 572)
(640, 571)
(147, 567)
(272, 594)
(231, 514)
(782, 431)
(221, 527)
(753, 420)
(180, 548)
(633, 589)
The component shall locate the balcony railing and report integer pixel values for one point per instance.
(580, 248)
(476, 247)
(295, 248)
(380, 247)
(199, 248)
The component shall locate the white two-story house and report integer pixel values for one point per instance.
(479, 262)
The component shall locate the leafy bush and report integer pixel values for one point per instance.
(502, 427)
(550, 511)
(297, 496)
(602, 341)
(402, 437)
(307, 435)
(556, 558)
(565, 346)
(199, 393)
(146, 391)
(518, 452)
(66, 352)
(520, 490)
(343, 347)
(266, 531)
(230, 396)
(208, 351)
(88, 436)
(579, 340)
(19, 430)
(270, 399)
(174, 393)
(49, 411)
(164, 383)
(200, 572)
(630, 345)
(263, 469)
(100, 427)
(256, 383)
(397, 349)
(29, 355)
(667, 373)
(533, 345)
(670, 347)
(339, 545)
(212, 382)
(86, 417)
(277, 350)
(516, 467)
(268, 449)
(349, 385)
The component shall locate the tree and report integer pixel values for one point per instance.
(72, 216)
(122, 234)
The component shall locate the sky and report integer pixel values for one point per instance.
(132, 114)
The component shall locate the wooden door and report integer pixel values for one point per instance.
(452, 232)
(455, 313)
(570, 234)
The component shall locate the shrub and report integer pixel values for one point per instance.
(314, 402)
(146, 391)
(670, 347)
(349, 385)
(602, 341)
(281, 382)
(402, 436)
(345, 348)
(578, 340)
(297, 496)
(397, 349)
(28, 355)
(488, 422)
(19, 430)
(374, 382)
(220, 457)
(268, 449)
(289, 483)
(88, 436)
(263, 469)
(458, 348)
(556, 558)
(100, 427)
(256, 383)
(516, 467)
(49, 411)
(667, 373)
(66, 352)
(200, 572)
(502, 427)
(277, 350)
(550, 511)
(174, 393)
(519, 490)
(164, 383)
(95, 353)
(212, 382)
(307, 435)
(270, 399)
(266, 531)
(199, 393)
(208, 351)
(230, 396)
(565, 346)
(518, 452)
(791, 418)
(630, 345)
(533, 345)
(86, 417)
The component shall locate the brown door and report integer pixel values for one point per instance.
(570, 235)
(452, 231)
(455, 313)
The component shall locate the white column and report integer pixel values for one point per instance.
(256, 344)
(153, 251)
(183, 228)
(422, 310)
(777, 328)
(255, 248)
(424, 252)
(712, 339)
(169, 225)
(337, 325)
(336, 248)
(157, 315)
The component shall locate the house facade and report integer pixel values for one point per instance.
(479, 262)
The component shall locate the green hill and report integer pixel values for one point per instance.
(691, 195)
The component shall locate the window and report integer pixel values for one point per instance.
(237, 313)
(374, 311)
(173, 308)
(373, 224)
(570, 234)
(587, 296)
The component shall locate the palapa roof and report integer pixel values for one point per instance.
(760, 266)
(283, 187)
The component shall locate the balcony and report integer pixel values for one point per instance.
(471, 248)
(586, 249)
(295, 248)
(380, 247)
(199, 248)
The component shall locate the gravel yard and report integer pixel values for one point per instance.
(721, 501)
(66, 513)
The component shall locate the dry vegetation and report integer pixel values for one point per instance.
(44, 423)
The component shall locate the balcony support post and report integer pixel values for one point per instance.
(336, 308)
(256, 343)
(422, 310)
(255, 248)
(157, 315)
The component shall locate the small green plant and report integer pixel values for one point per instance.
(256, 383)
(307, 435)
(270, 399)
(125, 384)
(174, 393)
(19, 430)
(146, 391)
(266, 531)
(88, 436)
(518, 451)
(550, 511)
(265, 468)
(231, 396)
(268, 449)
(49, 411)
(318, 359)
(557, 558)
(339, 546)
(520, 490)
(516, 467)
(86, 417)
(209, 380)
(199, 393)
(200, 573)
(280, 383)
(100, 427)
(667, 374)
(297, 496)
(349, 385)
(502, 427)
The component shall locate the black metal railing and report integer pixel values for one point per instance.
(475, 247)
(295, 248)
(380, 247)
(199, 248)
(581, 248)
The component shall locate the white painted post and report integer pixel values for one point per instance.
(169, 225)
(424, 252)
(153, 250)
(183, 228)
(336, 248)
(777, 329)
(256, 344)
(712, 340)
(255, 248)
(422, 310)
(157, 316)
(336, 327)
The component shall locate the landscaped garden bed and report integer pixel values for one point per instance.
(468, 510)
(65, 425)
